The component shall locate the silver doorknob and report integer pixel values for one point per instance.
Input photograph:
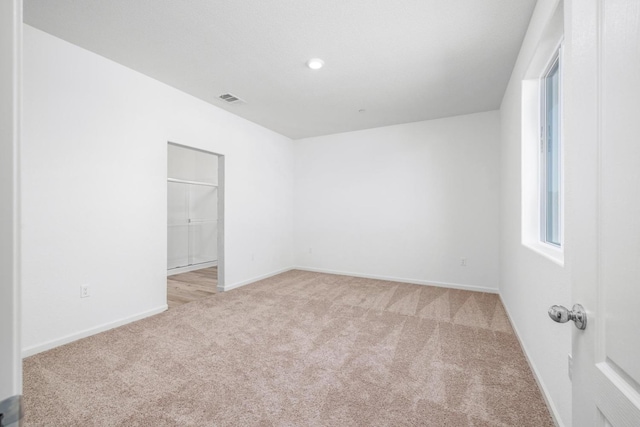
(561, 314)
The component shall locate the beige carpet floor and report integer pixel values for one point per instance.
(297, 349)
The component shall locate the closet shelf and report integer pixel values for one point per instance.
(183, 181)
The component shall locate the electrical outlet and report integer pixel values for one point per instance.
(84, 291)
(463, 262)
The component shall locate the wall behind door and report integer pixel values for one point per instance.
(529, 282)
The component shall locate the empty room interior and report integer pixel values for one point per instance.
(327, 213)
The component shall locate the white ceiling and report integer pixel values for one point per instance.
(400, 60)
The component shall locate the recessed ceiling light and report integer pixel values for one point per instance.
(315, 63)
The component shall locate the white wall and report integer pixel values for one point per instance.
(10, 84)
(94, 172)
(530, 282)
(402, 202)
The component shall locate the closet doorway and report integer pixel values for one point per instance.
(193, 224)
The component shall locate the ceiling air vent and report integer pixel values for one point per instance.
(230, 98)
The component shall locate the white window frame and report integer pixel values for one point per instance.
(543, 157)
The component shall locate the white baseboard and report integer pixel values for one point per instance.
(30, 351)
(255, 279)
(189, 268)
(545, 393)
(403, 280)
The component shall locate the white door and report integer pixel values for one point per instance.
(602, 113)
(10, 361)
(203, 225)
(177, 225)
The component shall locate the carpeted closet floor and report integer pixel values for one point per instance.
(297, 349)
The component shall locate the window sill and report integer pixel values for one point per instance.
(550, 252)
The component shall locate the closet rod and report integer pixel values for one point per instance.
(182, 181)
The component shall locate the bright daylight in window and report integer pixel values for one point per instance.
(550, 161)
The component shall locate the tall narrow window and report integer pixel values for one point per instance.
(550, 173)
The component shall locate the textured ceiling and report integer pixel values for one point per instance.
(400, 60)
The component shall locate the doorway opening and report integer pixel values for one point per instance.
(195, 180)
